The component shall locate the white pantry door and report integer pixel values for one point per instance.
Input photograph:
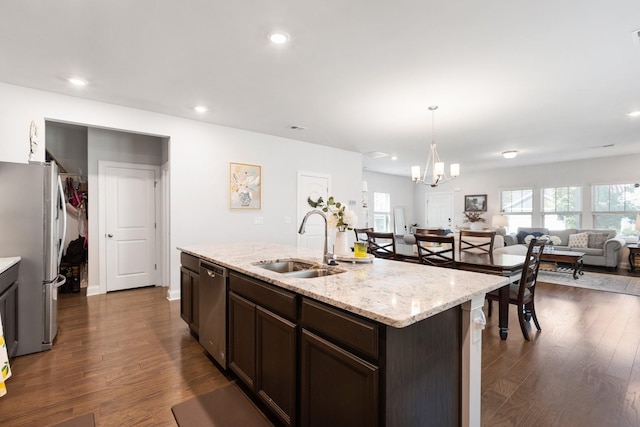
(130, 226)
(311, 185)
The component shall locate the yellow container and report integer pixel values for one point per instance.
(360, 249)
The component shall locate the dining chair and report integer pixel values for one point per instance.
(436, 231)
(476, 241)
(522, 292)
(361, 234)
(382, 245)
(436, 250)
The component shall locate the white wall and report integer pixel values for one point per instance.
(199, 156)
(400, 188)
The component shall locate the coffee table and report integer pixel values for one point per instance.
(574, 259)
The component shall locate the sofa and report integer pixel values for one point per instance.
(600, 247)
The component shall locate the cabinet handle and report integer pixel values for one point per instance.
(211, 273)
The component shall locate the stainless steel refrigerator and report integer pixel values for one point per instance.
(33, 226)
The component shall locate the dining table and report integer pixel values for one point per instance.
(507, 265)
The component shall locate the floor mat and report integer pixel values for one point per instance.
(85, 420)
(602, 282)
(224, 407)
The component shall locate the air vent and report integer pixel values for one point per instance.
(376, 154)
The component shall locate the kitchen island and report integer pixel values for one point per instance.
(384, 343)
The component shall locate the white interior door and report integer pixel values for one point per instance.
(130, 226)
(311, 185)
(438, 210)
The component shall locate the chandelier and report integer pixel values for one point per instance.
(438, 174)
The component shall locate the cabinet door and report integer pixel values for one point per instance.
(9, 314)
(242, 338)
(338, 389)
(276, 364)
(185, 295)
(194, 324)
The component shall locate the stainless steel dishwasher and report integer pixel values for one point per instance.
(213, 311)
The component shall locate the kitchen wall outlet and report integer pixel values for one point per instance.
(352, 202)
(258, 220)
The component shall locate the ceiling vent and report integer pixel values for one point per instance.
(376, 154)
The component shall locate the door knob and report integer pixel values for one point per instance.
(109, 235)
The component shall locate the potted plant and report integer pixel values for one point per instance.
(474, 219)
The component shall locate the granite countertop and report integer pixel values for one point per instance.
(7, 262)
(394, 293)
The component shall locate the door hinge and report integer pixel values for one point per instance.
(155, 266)
(155, 225)
(155, 184)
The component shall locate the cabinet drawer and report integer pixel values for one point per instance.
(277, 300)
(345, 328)
(8, 277)
(189, 261)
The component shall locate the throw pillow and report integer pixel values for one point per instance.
(579, 240)
(596, 240)
(521, 235)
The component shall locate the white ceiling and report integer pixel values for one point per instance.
(553, 80)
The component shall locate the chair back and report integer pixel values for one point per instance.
(436, 250)
(479, 242)
(529, 276)
(382, 245)
(361, 234)
(436, 231)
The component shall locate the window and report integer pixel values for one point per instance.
(615, 207)
(382, 212)
(561, 207)
(517, 206)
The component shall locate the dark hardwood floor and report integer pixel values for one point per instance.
(128, 357)
(125, 356)
(582, 369)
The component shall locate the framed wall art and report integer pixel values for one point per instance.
(475, 203)
(245, 186)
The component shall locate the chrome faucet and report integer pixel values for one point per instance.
(327, 258)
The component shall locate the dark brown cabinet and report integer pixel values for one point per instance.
(262, 343)
(189, 291)
(9, 308)
(338, 388)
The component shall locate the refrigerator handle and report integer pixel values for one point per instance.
(64, 220)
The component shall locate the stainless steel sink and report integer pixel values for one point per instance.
(320, 272)
(299, 268)
(287, 265)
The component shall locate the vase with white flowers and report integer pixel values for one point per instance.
(340, 217)
(474, 219)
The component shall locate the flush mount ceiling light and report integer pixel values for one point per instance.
(509, 154)
(200, 108)
(279, 38)
(76, 81)
(438, 175)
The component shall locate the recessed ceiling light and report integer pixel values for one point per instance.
(394, 157)
(509, 154)
(279, 38)
(200, 108)
(77, 81)
(634, 114)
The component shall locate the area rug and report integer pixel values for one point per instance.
(85, 420)
(598, 281)
(224, 407)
